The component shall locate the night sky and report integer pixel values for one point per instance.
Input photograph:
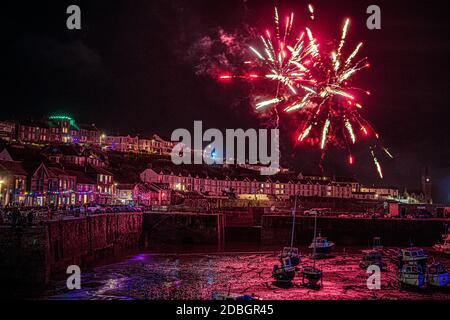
(133, 68)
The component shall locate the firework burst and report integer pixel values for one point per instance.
(284, 56)
(317, 87)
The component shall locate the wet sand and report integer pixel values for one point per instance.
(198, 276)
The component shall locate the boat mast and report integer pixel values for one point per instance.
(294, 210)
(314, 240)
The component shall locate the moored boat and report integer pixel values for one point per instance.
(411, 255)
(376, 244)
(292, 253)
(443, 247)
(437, 275)
(411, 274)
(310, 274)
(373, 257)
(285, 273)
(321, 246)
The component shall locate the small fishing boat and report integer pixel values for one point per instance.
(321, 246)
(437, 275)
(285, 273)
(376, 244)
(443, 247)
(310, 274)
(373, 257)
(411, 255)
(411, 274)
(292, 252)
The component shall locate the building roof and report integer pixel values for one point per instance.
(147, 187)
(13, 167)
(55, 171)
(98, 170)
(82, 177)
(125, 186)
(35, 123)
(89, 127)
(20, 152)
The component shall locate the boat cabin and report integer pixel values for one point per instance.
(322, 242)
(413, 254)
(288, 251)
(412, 268)
(373, 256)
(436, 268)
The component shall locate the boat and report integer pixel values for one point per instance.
(292, 252)
(437, 275)
(371, 258)
(411, 274)
(443, 247)
(376, 244)
(411, 255)
(285, 273)
(321, 246)
(310, 274)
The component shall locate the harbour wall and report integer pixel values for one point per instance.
(30, 255)
(353, 232)
(182, 229)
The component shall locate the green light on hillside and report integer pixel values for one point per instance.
(64, 118)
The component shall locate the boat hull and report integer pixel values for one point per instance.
(284, 276)
(437, 280)
(321, 251)
(412, 280)
(311, 276)
(295, 259)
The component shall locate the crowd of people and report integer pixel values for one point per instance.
(17, 216)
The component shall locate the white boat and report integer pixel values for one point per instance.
(411, 274)
(443, 247)
(321, 246)
(411, 255)
(437, 275)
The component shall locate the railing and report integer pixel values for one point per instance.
(39, 217)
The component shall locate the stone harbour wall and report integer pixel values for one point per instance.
(182, 229)
(353, 232)
(31, 255)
